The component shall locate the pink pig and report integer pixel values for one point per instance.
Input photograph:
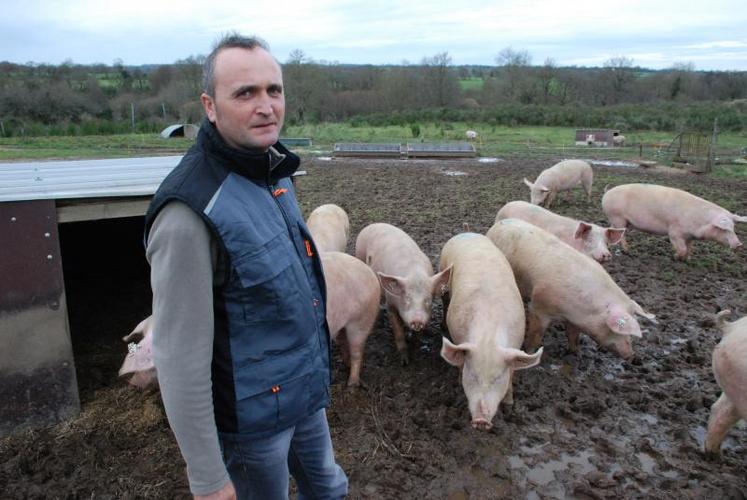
(562, 284)
(485, 316)
(139, 359)
(589, 239)
(730, 370)
(353, 295)
(329, 227)
(664, 210)
(406, 275)
(562, 176)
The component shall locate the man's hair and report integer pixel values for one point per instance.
(227, 41)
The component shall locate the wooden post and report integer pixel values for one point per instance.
(132, 115)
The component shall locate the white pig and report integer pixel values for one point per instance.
(139, 359)
(485, 316)
(587, 238)
(353, 295)
(406, 275)
(562, 176)
(677, 213)
(329, 227)
(562, 284)
(730, 370)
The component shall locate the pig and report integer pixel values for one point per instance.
(587, 238)
(674, 212)
(329, 227)
(563, 284)
(485, 316)
(562, 176)
(353, 295)
(471, 135)
(730, 369)
(139, 359)
(406, 276)
(618, 140)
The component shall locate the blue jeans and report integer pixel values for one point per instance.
(259, 467)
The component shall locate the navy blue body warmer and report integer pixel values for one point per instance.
(271, 346)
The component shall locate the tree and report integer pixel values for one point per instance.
(440, 84)
(515, 71)
(304, 86)
(618, 73)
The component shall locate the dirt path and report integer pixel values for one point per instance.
(583, 426)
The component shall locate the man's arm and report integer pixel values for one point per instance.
(182, 269)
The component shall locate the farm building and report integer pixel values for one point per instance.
(600, 137)
(180, 130)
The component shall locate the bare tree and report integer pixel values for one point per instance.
(514, 64)
(440, 82)
(618, 73)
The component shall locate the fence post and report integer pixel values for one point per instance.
(132, 115)
(712, 148)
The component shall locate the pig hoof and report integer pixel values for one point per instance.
(405, 360)
(360, 385)
(507, 409)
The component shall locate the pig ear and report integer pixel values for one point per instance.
(623, 324)
(739, 218)
(543, 188)
(721, 319)
(392, 284)
(454, 354)
(614, 235)
(724, 222)
(520, 360)
(528, 183)
(140, 331)
(440, 282)
(582, 230)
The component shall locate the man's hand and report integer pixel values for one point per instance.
(225, 493)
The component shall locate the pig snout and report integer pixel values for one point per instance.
(624, 350)
(603, 256)
(482, 424)
(416, 326)
(480, 419)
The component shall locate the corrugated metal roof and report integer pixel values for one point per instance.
(84, 178)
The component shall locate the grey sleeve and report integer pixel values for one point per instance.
(182, 258)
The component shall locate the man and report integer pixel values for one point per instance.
(241, 342)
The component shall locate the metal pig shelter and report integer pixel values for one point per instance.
(38, 383)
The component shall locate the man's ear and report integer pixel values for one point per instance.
(208, 105)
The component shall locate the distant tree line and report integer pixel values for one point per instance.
(39, 99)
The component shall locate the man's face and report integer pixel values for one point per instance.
(249, 105)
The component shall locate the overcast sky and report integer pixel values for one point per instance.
(712, 35)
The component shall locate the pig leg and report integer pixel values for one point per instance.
(680, 244)
(445, 300)
(399, 334)
(356, 340)
(550, 198)
(342, 340)
(538, 323)
(723, 416)
(586, 182)
(573, 333)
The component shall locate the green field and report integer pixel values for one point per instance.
(493, 141)
(473, 83)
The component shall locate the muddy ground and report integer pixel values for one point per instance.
(583, 426)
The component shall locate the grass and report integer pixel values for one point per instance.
(493, 140)
(473, 83)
